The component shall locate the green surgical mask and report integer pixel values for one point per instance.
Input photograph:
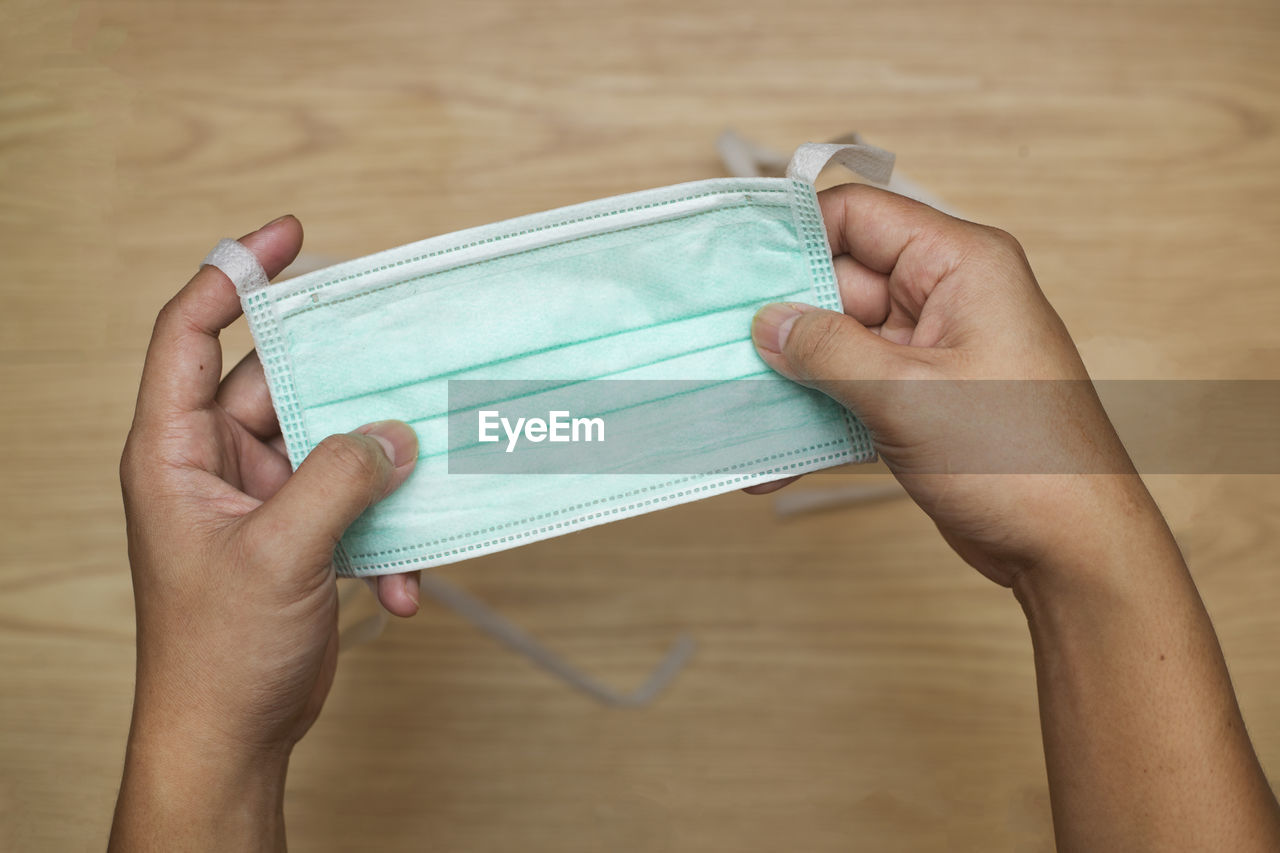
(658, 286)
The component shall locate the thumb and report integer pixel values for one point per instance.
(342, 477)
(825, 350)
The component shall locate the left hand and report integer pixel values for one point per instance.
(231, 554)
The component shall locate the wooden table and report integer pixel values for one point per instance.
(856, 687)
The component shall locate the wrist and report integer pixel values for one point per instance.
(1110, 543)
(188, 786)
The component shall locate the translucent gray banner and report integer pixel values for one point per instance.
(975, 426)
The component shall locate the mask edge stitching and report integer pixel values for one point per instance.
(822, 270)
(846, 454)
(265, 327)
(505, 236)
(288, 315)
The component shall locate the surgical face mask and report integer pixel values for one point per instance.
(637, 308)
(657, 286)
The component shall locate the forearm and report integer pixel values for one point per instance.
(1144, 742)
(183, 790)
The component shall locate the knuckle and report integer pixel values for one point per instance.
(167, 314)
(1004, 242)
(133, 460)
(949, 243)
(127, 463)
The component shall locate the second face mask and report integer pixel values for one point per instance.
(654, 287)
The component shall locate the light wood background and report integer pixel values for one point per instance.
(856, 687)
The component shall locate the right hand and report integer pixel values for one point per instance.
(999, 466)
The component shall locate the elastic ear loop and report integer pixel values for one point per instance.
(809, 159)
(238, 264)
(246, 273)
(744, 158)
(514, 638)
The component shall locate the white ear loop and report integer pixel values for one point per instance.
(238, 264)
(744, 158)
(874, 164)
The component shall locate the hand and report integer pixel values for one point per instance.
(1144, 743)
(931, 297)
(231, 555)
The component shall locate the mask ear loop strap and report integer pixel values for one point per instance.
(238, 264)
(902, 185)
(514, 638)
(874, 164)
(744, 158)
(365, 630)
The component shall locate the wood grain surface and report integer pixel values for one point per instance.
(856, 687)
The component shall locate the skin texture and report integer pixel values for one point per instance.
(1022, 473)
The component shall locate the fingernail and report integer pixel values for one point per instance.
(397, 438)
(277, 219)
(772, 324)
(411, 589)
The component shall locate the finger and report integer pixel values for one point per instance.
(864, 293)
(399, 593)
(833, 353)
(808, 344)
(342, 477)
(875, 227)
(184, 360)
(244, 395)
(263, 468)
(914, 245)
(773, 486)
